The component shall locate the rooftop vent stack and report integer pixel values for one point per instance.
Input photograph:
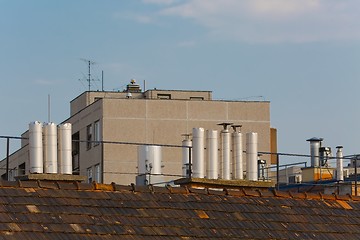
(225, 151)
(198, 165)
(339, 164)
(315, 144)
(150, 163)
(50, 148)
(36, 147)
(237, 153)
(212, 147)
(64, 149)
(186, 151)
(251, 156)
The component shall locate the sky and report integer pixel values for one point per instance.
(302, 56)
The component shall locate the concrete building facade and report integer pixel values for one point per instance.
(107, 128)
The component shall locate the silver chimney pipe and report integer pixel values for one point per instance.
(212, 149)
(186, 143)
(225, 151)
(315, 144)
(198, 163)
(237, 153)
(339, 164)
(251, 156)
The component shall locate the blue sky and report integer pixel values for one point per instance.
(303, 56)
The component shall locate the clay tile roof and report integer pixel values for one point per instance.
(58, 210)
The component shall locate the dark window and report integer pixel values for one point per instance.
(196, 98)
(164, 96)
(97, 133)
(21, 169)
(88, 136)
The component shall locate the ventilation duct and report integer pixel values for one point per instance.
(64, 149)
(339, 164)
(186, 151)
(251, 156)
(237, 153)
(198, 165)
(50, 148)
(315, 144)
(36, 148)
(212, 147)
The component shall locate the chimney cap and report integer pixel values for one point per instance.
(315, 139)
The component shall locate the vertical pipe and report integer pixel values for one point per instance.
(7, 157)
(186, 143)
(251, 155)
(50, 148)
(102, 80)
(198, 153)
(237, 155)
(277, 171)
(35, 148)
(339, 164)
(225, 150)
(212, 148)
(64, 149)
(315, 144)
(356, 189)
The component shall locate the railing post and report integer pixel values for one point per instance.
(7, 157)
(277, 171)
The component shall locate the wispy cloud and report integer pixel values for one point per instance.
(271, 20)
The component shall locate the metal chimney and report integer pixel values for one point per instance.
(198, 164)
(339, 164)
(315, 144)
(186, 151)
(237, 153)
(212, 148)
(225, 151)
(64, 148)
(50, 148)
(36, 147)
(251, 156)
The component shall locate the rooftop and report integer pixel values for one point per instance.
(67, 210)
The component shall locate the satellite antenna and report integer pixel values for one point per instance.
(88, 79)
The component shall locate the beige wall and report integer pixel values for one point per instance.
(152, 121)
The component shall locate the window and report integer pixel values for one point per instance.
(97, 173)
(88, 136)
(21, 170)
(196, 98)
(97, 133)
(89, 173)
(164, 96)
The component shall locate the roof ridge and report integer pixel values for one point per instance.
(113, 187)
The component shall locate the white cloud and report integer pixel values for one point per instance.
(273, 20)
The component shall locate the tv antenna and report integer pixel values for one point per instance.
(88, 79)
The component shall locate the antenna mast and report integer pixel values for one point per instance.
(89, 62)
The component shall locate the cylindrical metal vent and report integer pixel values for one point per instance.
(36, 148)
(64, 149)
(50, 148)
(339, 164)
(149, 159)
(225, 154)
(315, 144)
(186, 151)
(251, 156)
(212, 148)
(237, 155)
(198, 163)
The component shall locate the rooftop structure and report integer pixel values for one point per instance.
(73, 210)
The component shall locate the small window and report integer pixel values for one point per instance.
(88, 136)
(89, 173)
(97, 173)
(97, 133)
(164, 96)
(196, 98)
(21, 170)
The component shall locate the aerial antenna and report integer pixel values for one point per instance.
(88, 79)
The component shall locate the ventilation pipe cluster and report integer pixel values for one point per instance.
(229, 166)
(319, 156)
(50, 148)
